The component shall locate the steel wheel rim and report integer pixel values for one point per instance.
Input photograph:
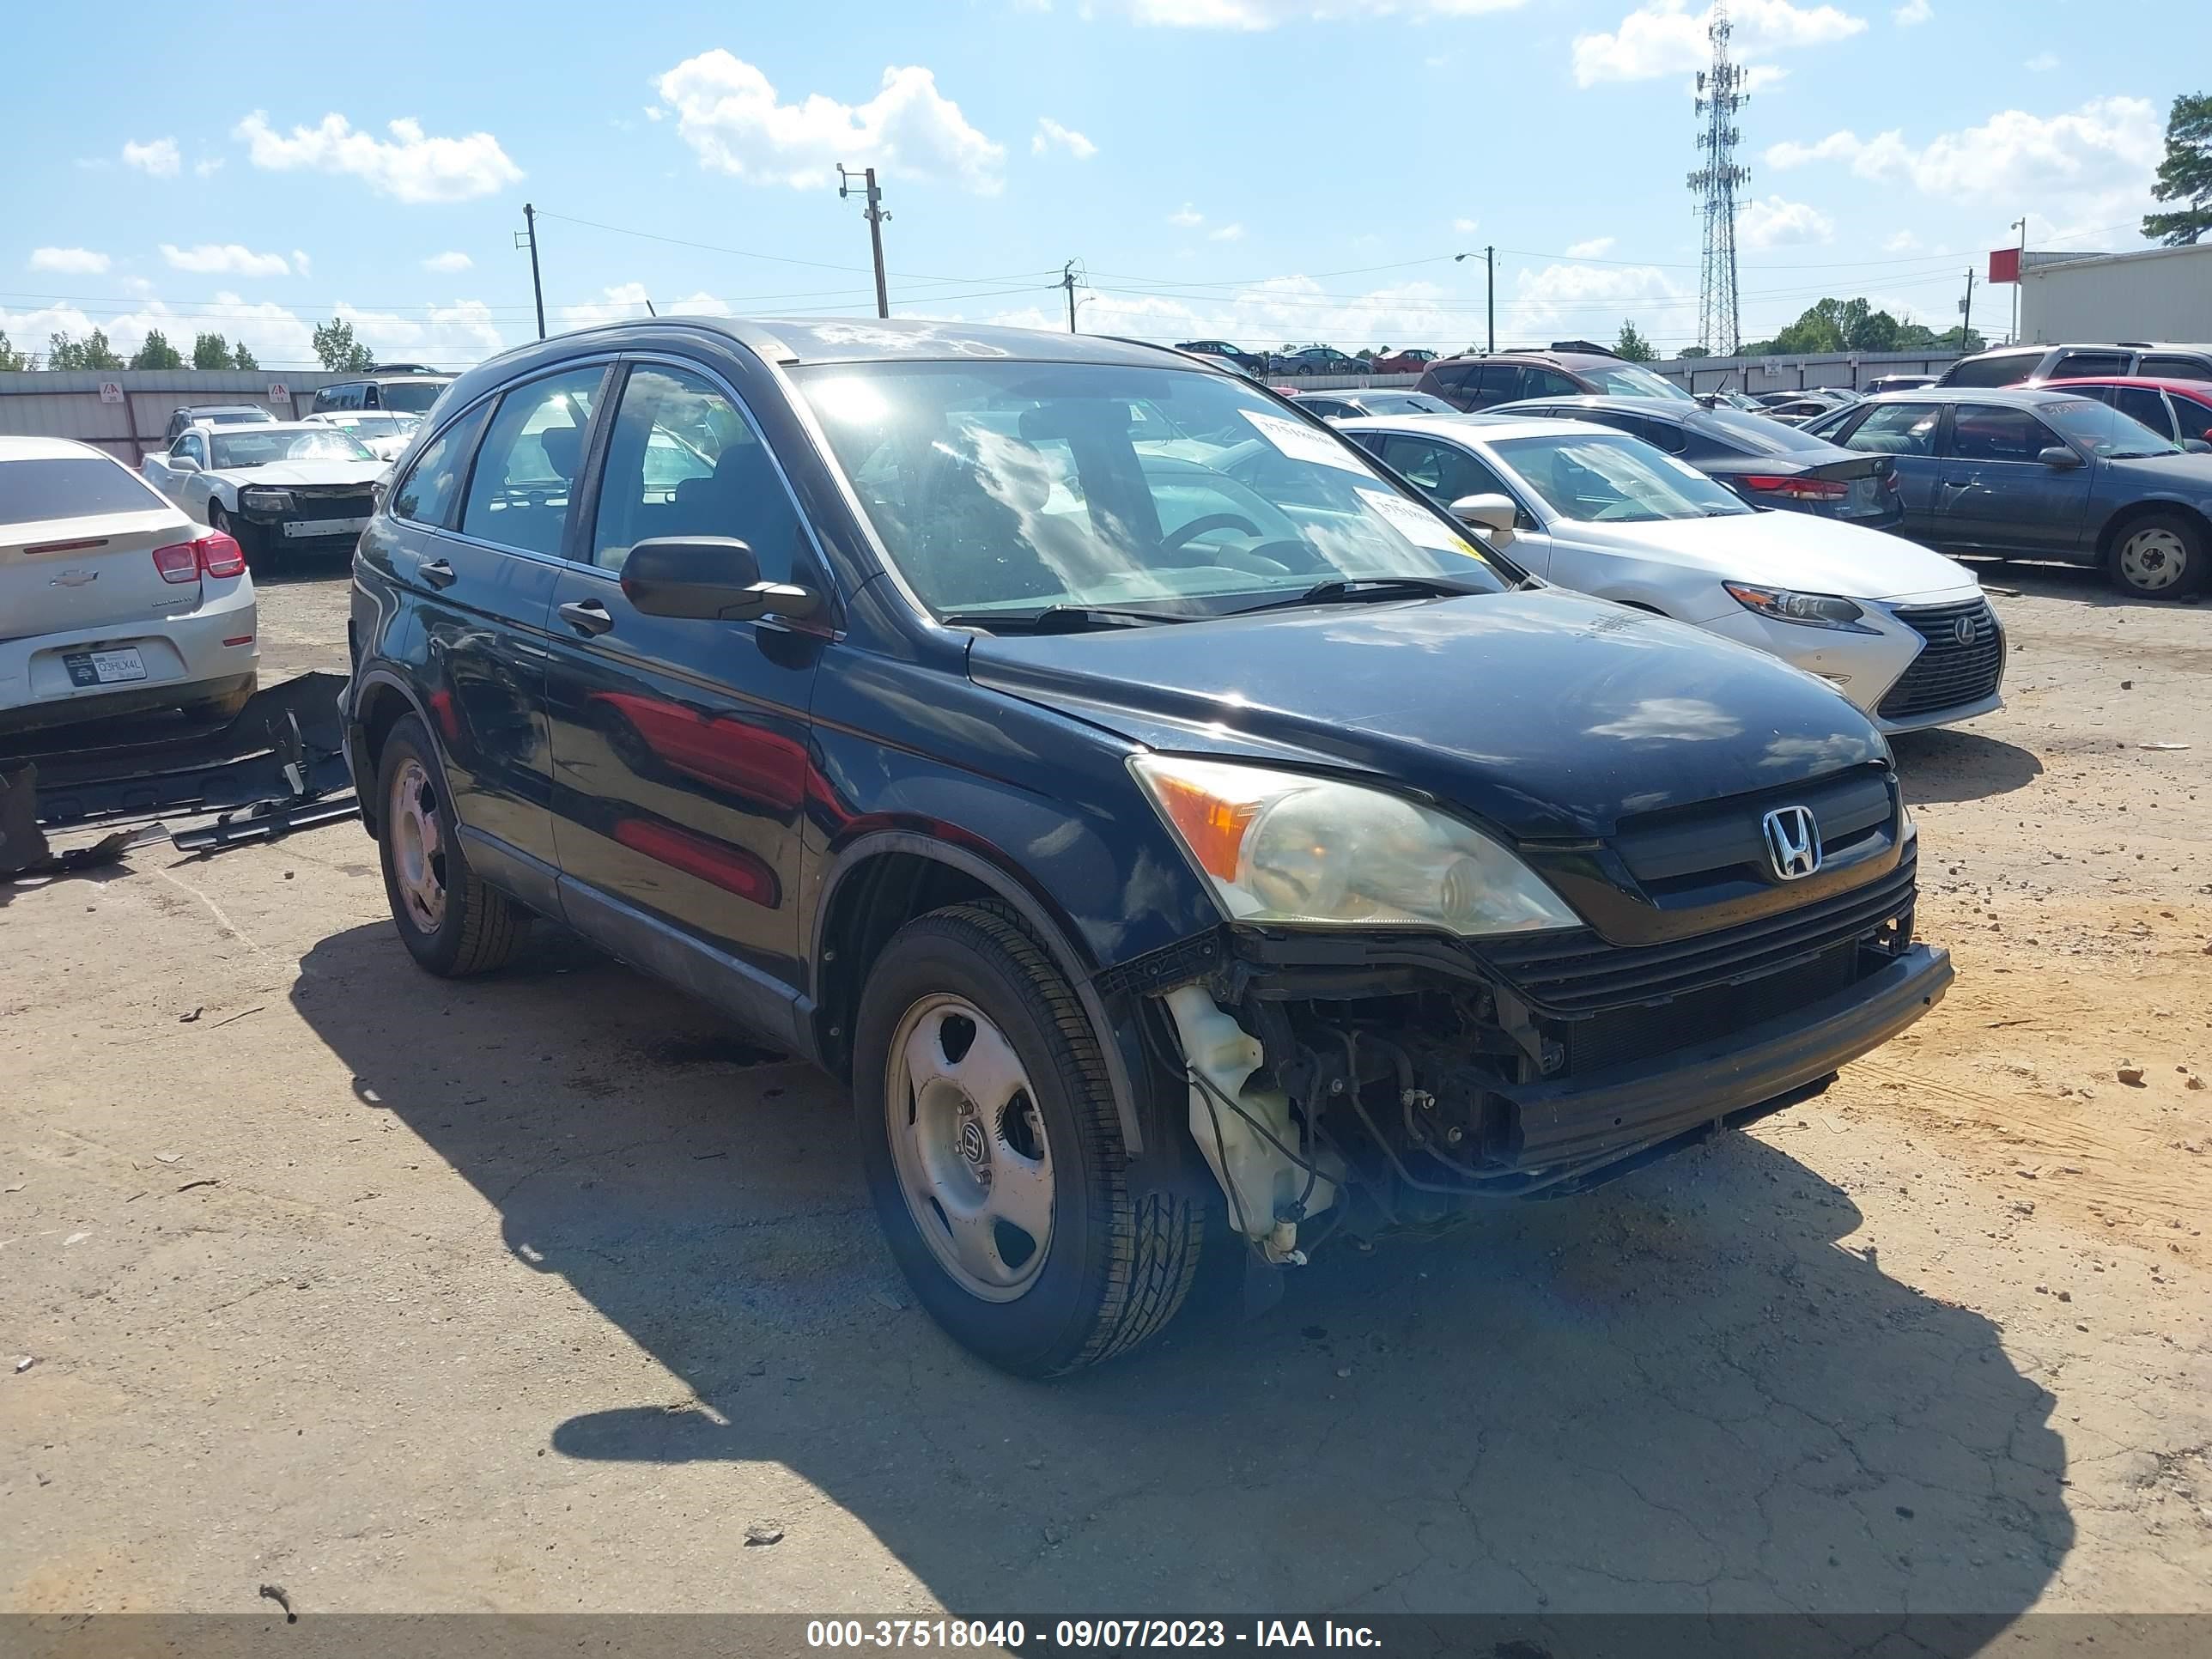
(2153, 558)
(419, 846)
(968, 1148)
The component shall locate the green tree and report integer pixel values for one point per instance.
(157, 352)
(2186, 175)
(1632, 345)
(339, 350)
(210, 351)
(241, 358)
(1700, 351)
(10, 358)
(91, 352)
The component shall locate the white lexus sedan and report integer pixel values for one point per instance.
(1904, 633)
(112, 601)
(295, 485)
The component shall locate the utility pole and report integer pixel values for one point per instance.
(1490, 289)
(875, 215)
(2019, 276)
(1966, 314)
(1067, 281)
(528, 238)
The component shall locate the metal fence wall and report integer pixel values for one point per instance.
(126, 419)
(1851, 369)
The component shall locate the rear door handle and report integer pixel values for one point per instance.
(437, 573)
(586, 617)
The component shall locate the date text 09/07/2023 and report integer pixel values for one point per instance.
(1016, 1635)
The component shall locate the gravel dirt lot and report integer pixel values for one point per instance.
(533, 1293)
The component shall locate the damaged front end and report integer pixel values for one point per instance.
(1394, 1078)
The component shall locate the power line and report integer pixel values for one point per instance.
(778, 258)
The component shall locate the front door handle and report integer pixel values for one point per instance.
(436, 572)
(586, 617)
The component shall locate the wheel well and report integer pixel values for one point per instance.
(2128, 516)
(382, 709)
(877, 897)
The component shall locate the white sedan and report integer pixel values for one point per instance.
(113, 602)
(1904, 633)
(297, 485)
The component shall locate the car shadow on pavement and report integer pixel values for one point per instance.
(1950, 765)
(1679, 1394)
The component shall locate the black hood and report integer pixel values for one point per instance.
(1548, 714)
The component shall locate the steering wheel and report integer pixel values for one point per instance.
(1174, 541)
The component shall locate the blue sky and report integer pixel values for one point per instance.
(1271, 171)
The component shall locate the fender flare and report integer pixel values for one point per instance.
(1042, 924)
(357, 734)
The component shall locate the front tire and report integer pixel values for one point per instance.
(247, 538)
(2160, 556)
(452, 923)
(994, 1157)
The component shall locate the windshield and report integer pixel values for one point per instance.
(243, 450)
(2106, 432)
(1612, 478)
(409, 397)
(1017, 486)
(1627, 380)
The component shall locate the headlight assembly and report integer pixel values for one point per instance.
(265, 500)
(1807, 610)
(1282, 847)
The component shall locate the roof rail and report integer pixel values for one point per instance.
(401, 369)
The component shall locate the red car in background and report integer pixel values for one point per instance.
(2179, 409)
(1412, 361)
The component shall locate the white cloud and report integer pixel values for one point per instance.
(227, 258)
(302, 264)
(2104, 152)
(451, 260)
(208, 166)
(621, 300)
(1775, 223)
(1050, 135)
(1912, 13)
(1597, 248)
(2042, 64)
(1466, 226)
(1664, 37)
(1583, 296)
(460, 333)
(74, 261)
(1903, 242)
(410, 167)
(701, 304)
(1187, 216)
(728, 112)
(1255, 14)
(1759, 77)
(160, 158)
(1226, 233)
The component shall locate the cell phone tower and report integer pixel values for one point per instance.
(1720, 96)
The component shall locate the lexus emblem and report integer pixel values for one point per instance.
(1793, 841)
(1963, 630)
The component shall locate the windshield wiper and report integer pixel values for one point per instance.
(1060, 618)
(1359, 590)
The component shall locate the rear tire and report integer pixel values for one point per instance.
(956, 1154)
(2159, 556)
(452, 923)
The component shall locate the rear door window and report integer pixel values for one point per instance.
(432, 485)
(1987, 432)
(2143, 403)
(522, 487)
(2079, 365)
(1499, 383)
(1549, 383)
(2194, 415)
(2007, 370)
(2173, 367)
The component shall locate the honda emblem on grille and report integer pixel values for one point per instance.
(1793, 841)
(1963, 630)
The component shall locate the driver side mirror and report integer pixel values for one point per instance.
(1494, 515)
(2059, 455)
(708, 579)
(2198, 446)
(183, 463)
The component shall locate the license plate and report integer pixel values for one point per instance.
(116, 667)
(326, 527)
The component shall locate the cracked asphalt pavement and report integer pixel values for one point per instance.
(533, 1293)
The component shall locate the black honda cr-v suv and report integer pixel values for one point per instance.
(1173, 827)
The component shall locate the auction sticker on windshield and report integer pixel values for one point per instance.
(1304, 443)
(1421, 528)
